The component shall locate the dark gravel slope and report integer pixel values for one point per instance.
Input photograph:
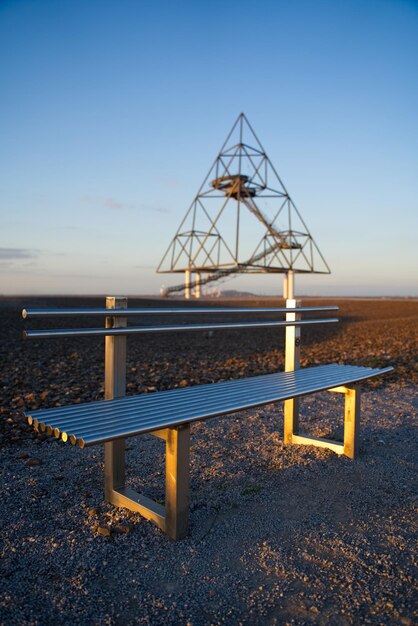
(279, 534)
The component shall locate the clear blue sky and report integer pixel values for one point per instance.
(111, 113)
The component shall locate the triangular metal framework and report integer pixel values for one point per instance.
(242, 200)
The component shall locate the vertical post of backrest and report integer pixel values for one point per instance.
(115, 387)
(352, 421)
(292, 337)
(292, 362)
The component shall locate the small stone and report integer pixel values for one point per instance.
(104, 530)
(122, 528)
(183, 383)
(33, 462)
(22, 455)
(92, 511)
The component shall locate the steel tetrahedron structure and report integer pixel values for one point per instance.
(242, 220)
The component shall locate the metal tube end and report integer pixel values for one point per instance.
(49, 430)
(41, 425)
(35, 424)
(24, 313)
(64, 436)
(73, 439)
(30, 420)
(56, 432)
(81, 443)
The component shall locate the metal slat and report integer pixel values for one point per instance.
(59, 415)
(197, 396)
(190, 412)
(83, 441)
(26, 313)
(192, 402)
(156, 403)
(123, 413)
(128, 407)
(87, 406)
(133, 330)
(213, 405)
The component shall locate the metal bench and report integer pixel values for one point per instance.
(168, 414)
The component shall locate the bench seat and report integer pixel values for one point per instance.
(98, 422)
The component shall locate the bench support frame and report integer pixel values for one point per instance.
(350, 446)
(173, 518)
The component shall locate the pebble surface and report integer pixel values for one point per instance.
(278, 534)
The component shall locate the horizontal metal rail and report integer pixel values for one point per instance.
(26, 313)
(134, 330)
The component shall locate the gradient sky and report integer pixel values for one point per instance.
(111, 114)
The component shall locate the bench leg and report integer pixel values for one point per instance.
(350, 447)
(177, 481)
(173, 518)
(114, 464)
(352, 421)
(291, 419)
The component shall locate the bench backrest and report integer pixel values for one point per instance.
(116, 329)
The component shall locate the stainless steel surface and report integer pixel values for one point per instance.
(133, 330)
(291, 362)
(209, 411)
(209, 404)
(177, 478)
(352, 422)
(79, 414)
(63, 427)
(170, 400)
(212, 400)
(115, 387)
(26, 313)
(131, 416)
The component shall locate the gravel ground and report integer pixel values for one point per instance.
(279, 534)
